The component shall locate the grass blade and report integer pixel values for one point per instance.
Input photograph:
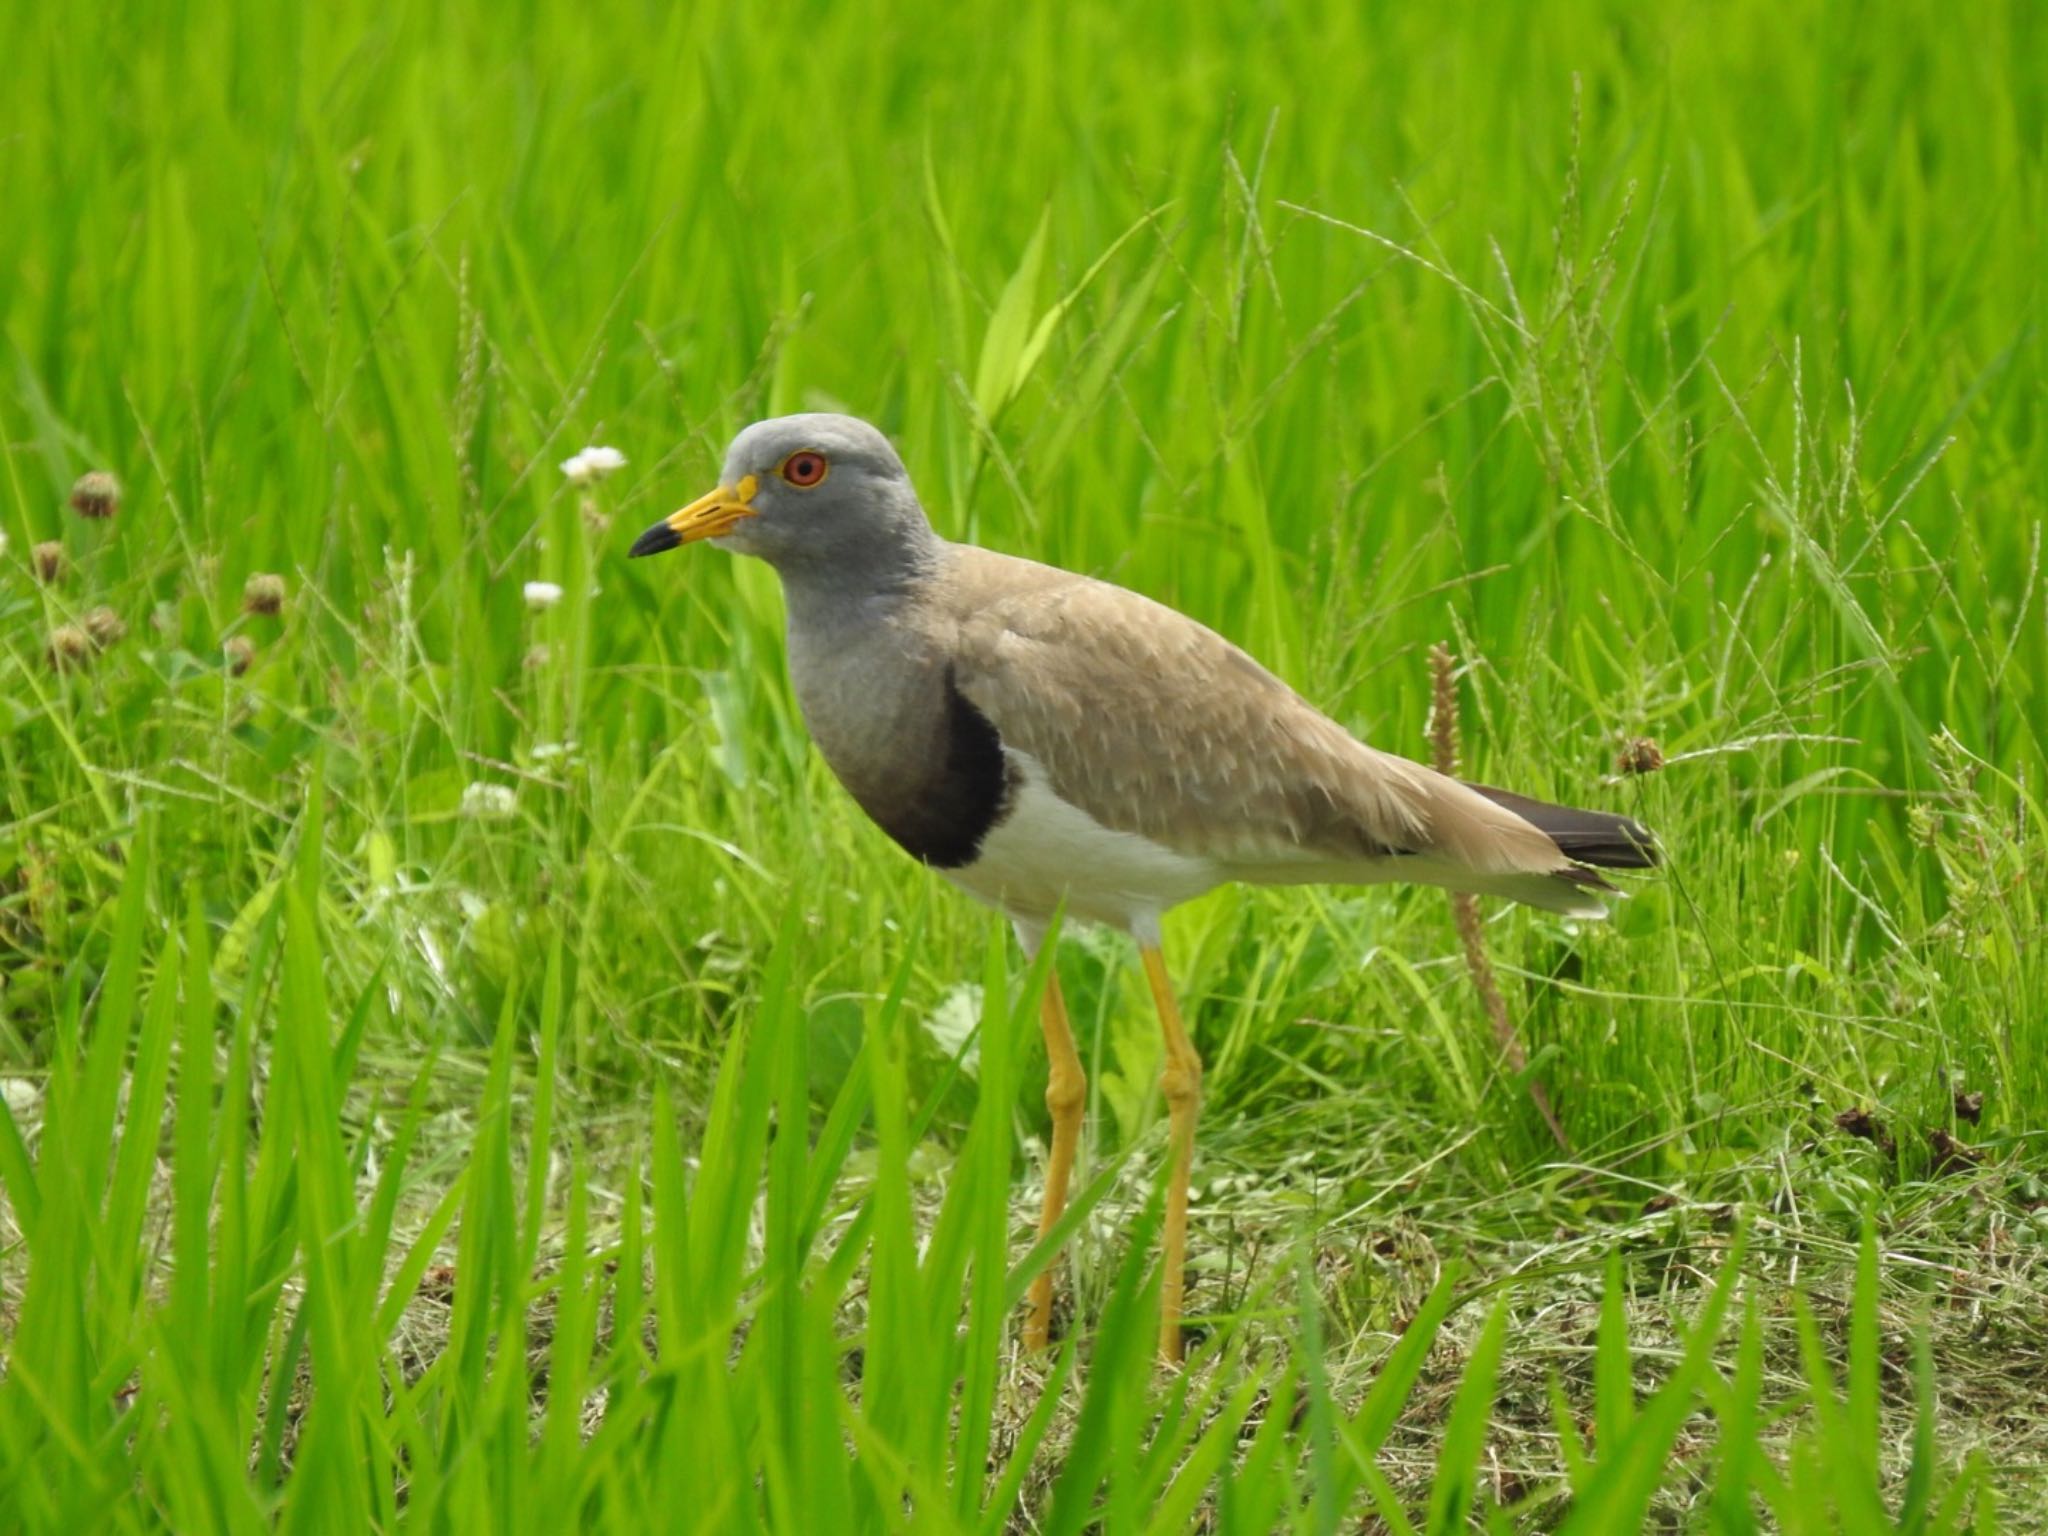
(1626, 1474)
(1464, 1442)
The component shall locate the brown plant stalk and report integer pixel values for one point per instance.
(1443, 740)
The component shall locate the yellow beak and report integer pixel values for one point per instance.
(707, 517)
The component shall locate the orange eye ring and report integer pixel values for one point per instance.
(804, 468)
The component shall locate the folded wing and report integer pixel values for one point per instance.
(1156, 725)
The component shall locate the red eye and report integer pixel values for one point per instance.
(805, 468)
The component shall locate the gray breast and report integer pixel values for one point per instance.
(924, 763)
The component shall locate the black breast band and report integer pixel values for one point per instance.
(966, 799)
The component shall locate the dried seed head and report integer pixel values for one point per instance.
(1443, 709)
(1862, 1123)
(238, 651)
(48, 560)
(1641, 755)
(1950, 1155)
(263, 593)
(70, 647)
(105, 627)
(96, 494)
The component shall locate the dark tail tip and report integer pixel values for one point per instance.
(1599, 838)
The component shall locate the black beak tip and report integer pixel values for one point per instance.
(654, 541)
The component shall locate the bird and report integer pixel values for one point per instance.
(1058, 746)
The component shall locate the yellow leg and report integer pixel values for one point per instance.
(1181, 1082)
(1066, 1090)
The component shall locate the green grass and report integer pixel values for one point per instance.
(372, 1158)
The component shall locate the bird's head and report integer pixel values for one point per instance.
(814, 492)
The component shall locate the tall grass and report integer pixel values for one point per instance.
(1681, 369)
(698, 1368)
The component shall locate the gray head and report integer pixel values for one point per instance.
(819, 497)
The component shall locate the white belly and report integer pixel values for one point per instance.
(1047, 850)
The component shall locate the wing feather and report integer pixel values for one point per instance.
(1156, 725)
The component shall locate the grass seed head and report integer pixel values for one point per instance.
(1923, 824)
(48, 560)
(70, 647)
(96, 495)
(238, 651)
(105, 627)
(263, 593)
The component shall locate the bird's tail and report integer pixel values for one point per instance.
(1597, 838)
(1471, 837)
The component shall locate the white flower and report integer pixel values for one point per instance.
(542, 594)
(592, 465)
(488, 802)
(953, 1023)
(23, 1096)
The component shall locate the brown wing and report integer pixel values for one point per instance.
(1156, 725)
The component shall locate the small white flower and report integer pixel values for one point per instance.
(23, 1096)
(953, 1023)
(488, 802)
(592, 465)
(542, 594)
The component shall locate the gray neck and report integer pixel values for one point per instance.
(830, 582)
(870, 681)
